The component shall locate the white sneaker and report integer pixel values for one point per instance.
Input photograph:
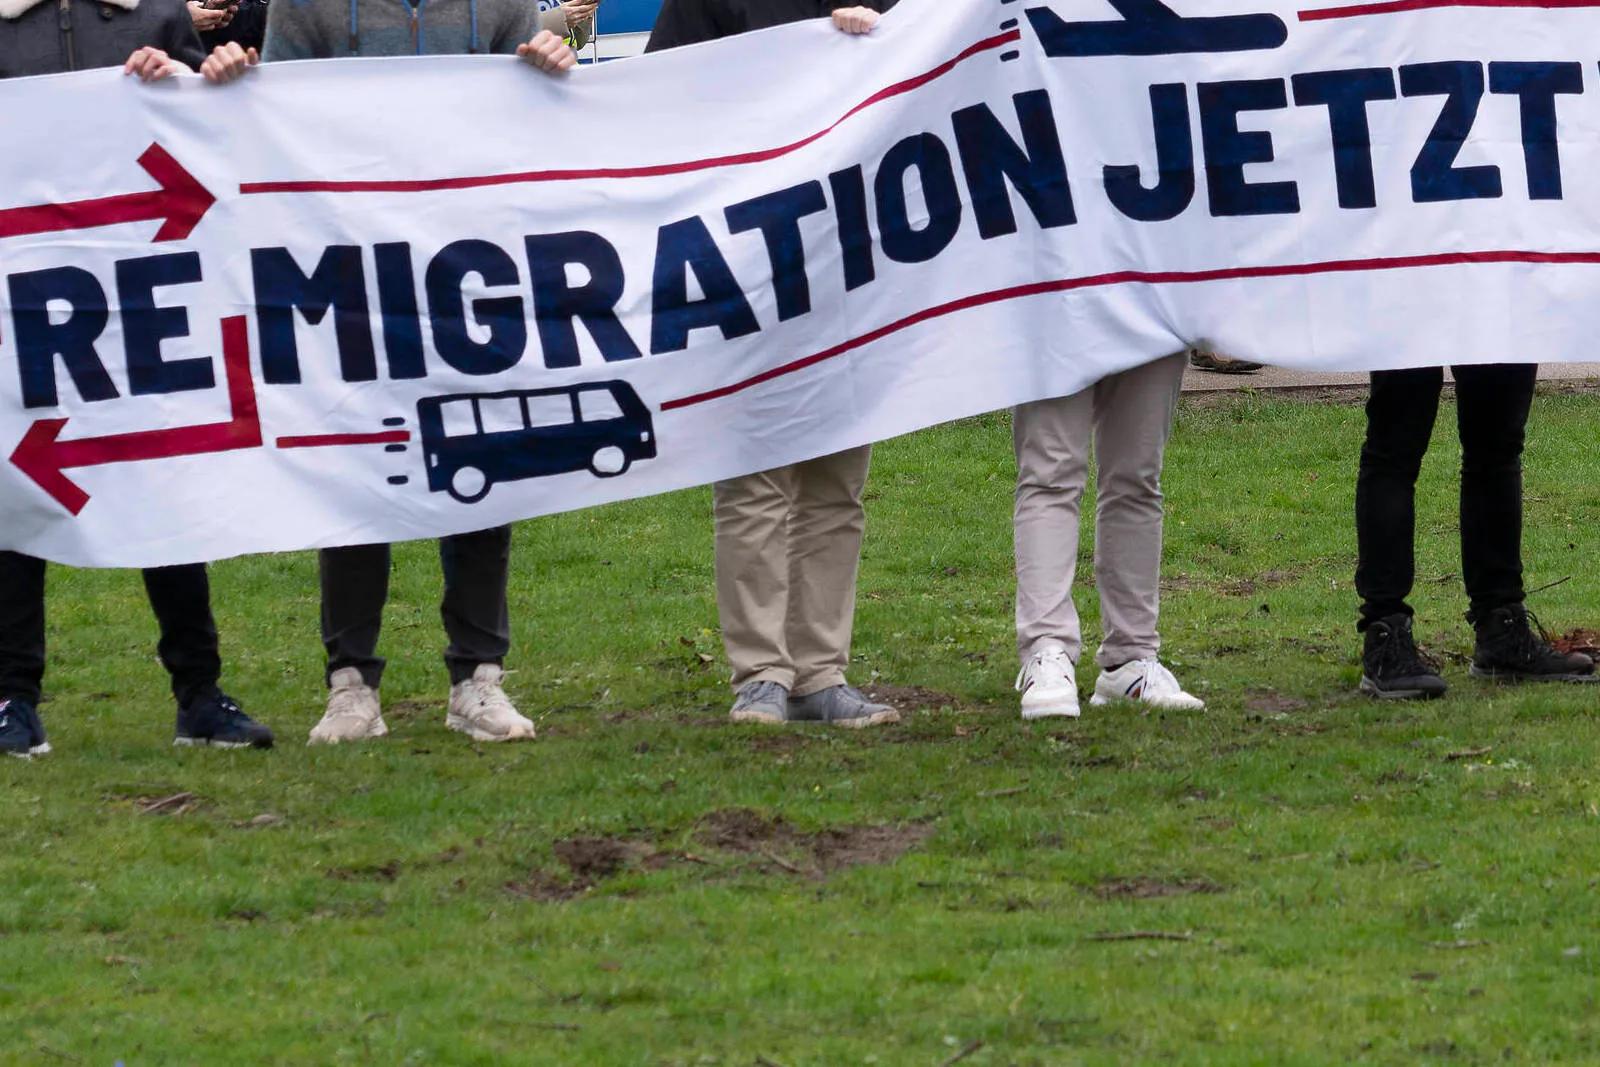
(480, 708)
(1144, 681)
(353, 711)
(1048, 685)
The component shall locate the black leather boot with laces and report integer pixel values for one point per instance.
(1513, 647)
(1392, 667)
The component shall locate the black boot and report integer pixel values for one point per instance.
(215, 719)
(21, 731)
(1392, 667)
(1513, 647)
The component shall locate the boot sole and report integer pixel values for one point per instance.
(1515, 677)
(1098, 701)
(877, 718)
(462, 727)
(757, 717)
(1034, 714)
(207, 742)
(1370, 688)
(377, 731)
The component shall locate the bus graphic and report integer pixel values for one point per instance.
(470, 441)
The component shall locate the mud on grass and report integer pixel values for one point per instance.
(733, 839)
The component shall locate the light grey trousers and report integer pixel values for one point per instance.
(788, 548)
(1128, 418)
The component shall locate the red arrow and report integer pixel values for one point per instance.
(180, 202)
(42, 456)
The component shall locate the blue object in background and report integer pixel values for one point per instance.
(621, 16)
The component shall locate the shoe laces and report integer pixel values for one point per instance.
(1049, 659)
(1399, 656)
(349, 700)
(1158, 679)
(231, 711)
(488, 700)
(759, 692)
(1530, 641)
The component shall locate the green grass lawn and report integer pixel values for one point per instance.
(1333, 880)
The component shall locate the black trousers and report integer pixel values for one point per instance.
(180, 597)
(355, 587)
(1492, 404)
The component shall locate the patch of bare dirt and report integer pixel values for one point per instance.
(777, 843)
(773, 842)
(371, 872)
(1272, 702)
(547, 888)
(590, 861)
(1252, 585)
(1144, 887)
(781, 741)
(411, 709)
(911, 697)
(594, 858)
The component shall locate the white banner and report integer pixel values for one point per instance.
(371, 300)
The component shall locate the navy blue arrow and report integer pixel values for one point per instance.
(1151, 28)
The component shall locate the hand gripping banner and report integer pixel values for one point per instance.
(371, 300)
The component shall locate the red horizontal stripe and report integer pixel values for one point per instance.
(335, 440)
(1391, 7)
(652, 171)
(1135, 277)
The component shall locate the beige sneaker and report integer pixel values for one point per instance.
(353, 711)
(480, 708)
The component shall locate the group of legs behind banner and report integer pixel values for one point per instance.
(788, 543)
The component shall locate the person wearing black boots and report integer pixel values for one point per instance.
(1492, 405)
(40, 37)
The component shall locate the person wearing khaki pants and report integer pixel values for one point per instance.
(1128, 418)
(788, 543)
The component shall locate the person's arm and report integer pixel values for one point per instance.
(684, 22)
(517, 30)
(573, 19)
(292, 33)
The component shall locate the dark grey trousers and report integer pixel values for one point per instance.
(355, 587)
(179, 596)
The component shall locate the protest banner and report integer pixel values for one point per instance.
(371, 300)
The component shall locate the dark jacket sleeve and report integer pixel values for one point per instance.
(684, 22)
(176, 35)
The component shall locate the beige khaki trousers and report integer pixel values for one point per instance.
(1128, 418)
(788, 546)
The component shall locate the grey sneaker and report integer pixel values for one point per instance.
(764, 702)
(841, 705)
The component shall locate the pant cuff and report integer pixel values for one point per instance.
(462, 670)
(1110, 656)
(816, 683)
(1371, 613)
(1028, 650)
(187, 692)
(769, 674)
(371, 674)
